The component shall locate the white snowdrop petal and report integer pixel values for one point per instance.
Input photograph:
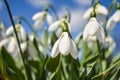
(101, 9)
(54, 25)
(88, 13)
(116, 16)
(92, 26)
(55, 49)
(110, 24)
(100, 34)
(12, 45)
(38, 24)
(4, 42)
(23, 46)
(74, 52)
(65, 44)
(22, 33)
(38, 15)
(31, 37)
(85, 34)
(9, 31)
(59, 32)
(49, 19)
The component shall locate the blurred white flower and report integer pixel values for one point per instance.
(12, 45)
(23, 46)
(110, 43)
(58, 23)
(93, 31)
(4, 42)
(101, 12)
(20, 31)
(39, 19)
(31, 37)
(64, 45)
(113, 20)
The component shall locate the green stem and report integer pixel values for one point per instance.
(100, 56)
(22, 55)
(54, 11)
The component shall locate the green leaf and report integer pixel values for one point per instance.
(116, 75)
(9, 67)
(90, 68)
(91, 59)
(52, 63)
(33, 64)
(45, 39)
(53, 38)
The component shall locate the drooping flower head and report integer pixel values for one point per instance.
(40, 17)
(20, 31)
(64, 44)
(101, 13)
(114, 19)
(60, 24)
(93, 30)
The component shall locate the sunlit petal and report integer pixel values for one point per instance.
(100, 35)
(9, 31)
(54, 25)
(38, 15)
(49, 19)
(65, 44)
(74, 52)
(55, 49)
(87, 13)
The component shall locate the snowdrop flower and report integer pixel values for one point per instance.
(93, 31)
(101, 13)
(12, 45)
(40, 17)
(60, 23)
(64, 45)
(110, 43)
(20, 31)
(113, 20)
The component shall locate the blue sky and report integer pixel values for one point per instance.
(28, 8)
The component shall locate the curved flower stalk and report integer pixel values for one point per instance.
(40, 17)
(113, 20)
(101, 13)
(64, 45)
(93, 30)
(20, 30)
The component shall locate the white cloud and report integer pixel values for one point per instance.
(77, 21)
(37, 3)
(83, 2)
